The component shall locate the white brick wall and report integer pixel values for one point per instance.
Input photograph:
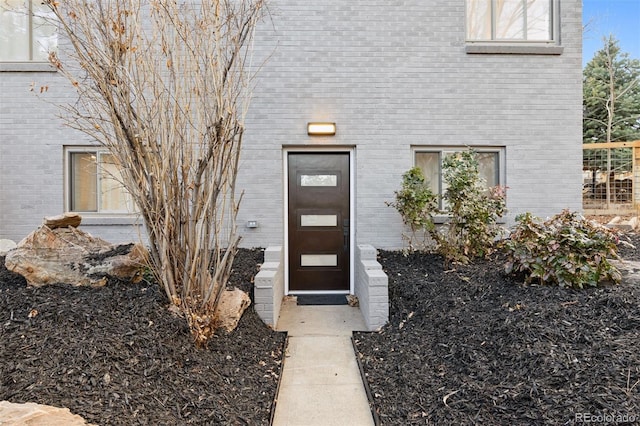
(371, 287)
(269, 286)
(394, 76)
(31, 139)
(391, 75)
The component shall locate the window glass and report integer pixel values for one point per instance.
(318, 180)
(27, 31)
(14, 30)
(318, 260)
(113, 197)
(538, 20)
(479, 19)
(488, 167)
(509, 20)
(430, 162)
(94, 184)
(83, 182)
(319, 220)
(44, 34)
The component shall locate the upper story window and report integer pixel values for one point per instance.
(513, 23)
(27, 31)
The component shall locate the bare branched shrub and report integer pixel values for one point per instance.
(164, 85)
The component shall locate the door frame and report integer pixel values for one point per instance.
(285, 162)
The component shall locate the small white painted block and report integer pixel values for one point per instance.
(367, 252)
(263, 299)
(371, 265)
(377, 278)
(270, 266)
(265, 279)
(273, 254)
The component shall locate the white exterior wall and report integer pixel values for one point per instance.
(32, 141)
(392, 75)
(30, 152)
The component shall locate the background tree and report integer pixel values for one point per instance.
(164, 85)
(611, 95)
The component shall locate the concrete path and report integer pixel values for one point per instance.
(321, 383)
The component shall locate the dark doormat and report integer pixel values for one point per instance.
(322, 299)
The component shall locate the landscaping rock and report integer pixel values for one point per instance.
(68, 255)
(232, 305)
(631, 224)
(6, 245)
(63, 221)
(629, 269)
(32, 414)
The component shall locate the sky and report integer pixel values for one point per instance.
(618, 17)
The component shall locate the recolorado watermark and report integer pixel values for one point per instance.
(617, 418)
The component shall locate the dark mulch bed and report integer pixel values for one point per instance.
(114, 355)
(463, 346)
(473, 346)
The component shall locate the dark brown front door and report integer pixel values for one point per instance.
(318, 221)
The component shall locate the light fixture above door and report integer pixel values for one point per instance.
(321, 129)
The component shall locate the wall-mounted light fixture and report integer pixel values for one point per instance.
(321, 129)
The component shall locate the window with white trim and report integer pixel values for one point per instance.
(490, 159)
(512, 21)
(94, 183)
(27, 31)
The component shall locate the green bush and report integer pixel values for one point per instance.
(472, 229)
(416, 203)
(566, 250)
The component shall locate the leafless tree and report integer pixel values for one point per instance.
(165, 85)
(615, 92)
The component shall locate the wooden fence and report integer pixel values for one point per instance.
(610, 177)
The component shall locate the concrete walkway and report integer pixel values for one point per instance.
(321, 383)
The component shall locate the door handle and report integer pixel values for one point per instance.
(345, 233)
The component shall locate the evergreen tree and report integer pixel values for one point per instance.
(611, 95)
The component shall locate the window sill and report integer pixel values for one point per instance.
(511, 49)
(27, 67)
(441, 219)
(98, 220)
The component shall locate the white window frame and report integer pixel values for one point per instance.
(68, 184)
(443, 150)
(29, 64)
(515, 46)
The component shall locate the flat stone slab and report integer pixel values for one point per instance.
(328, 320)
(63, 221)
(13, 414)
